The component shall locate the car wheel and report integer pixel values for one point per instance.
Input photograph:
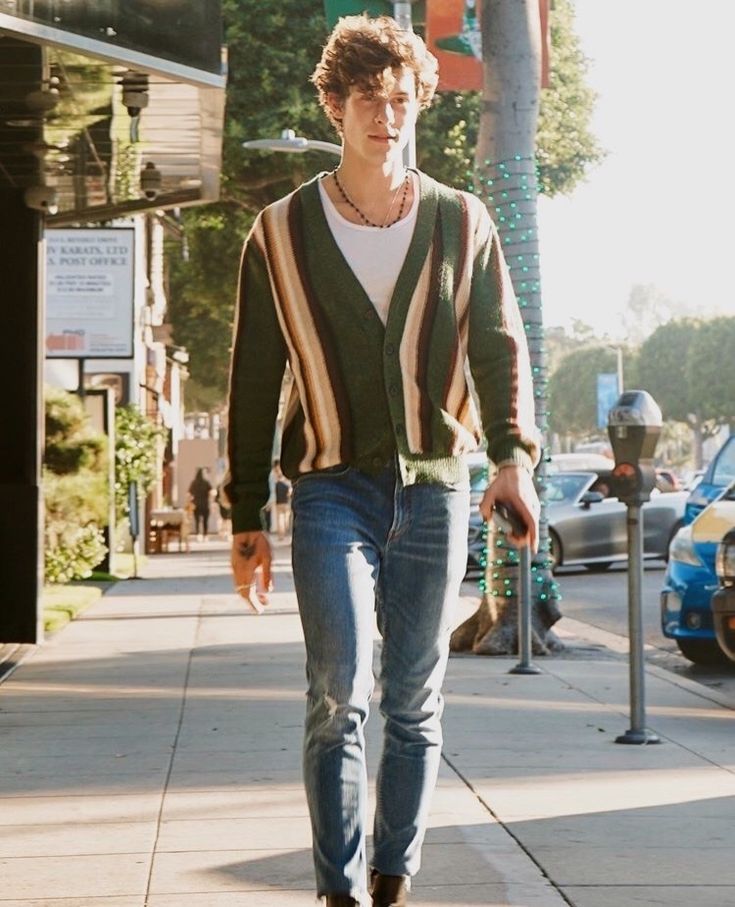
(554, 550)
(702, 651)
(599, 567)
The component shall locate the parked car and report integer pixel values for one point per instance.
(574, 462)
(587, 525)
(690, 581)
(717, 476)
(723, 600)
(667, 480)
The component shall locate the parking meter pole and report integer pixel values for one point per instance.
(637, 733)
(134, 521)
(634, 425)
(525, 665)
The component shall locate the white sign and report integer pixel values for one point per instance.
(89, 293)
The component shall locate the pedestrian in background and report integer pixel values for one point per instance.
(200, 492)
(225, 512)
(378, 285)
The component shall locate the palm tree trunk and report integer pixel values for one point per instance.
(505, 179)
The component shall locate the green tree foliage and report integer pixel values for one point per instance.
(136, 446)
(710, 370)
(566, 148)
(75, 489)
(560, 343)
(202, 294)
(573, 389)
(686, 364)
(663, 368)
(272, 51)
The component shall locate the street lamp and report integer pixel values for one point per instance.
(292, 143)
(618, 350)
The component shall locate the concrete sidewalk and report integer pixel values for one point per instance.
(151, 758)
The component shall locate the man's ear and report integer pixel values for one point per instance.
(335, 105)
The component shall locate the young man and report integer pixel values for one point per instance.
(376, 284)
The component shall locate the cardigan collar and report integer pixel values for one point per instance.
(332, 262)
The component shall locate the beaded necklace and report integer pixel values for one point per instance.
(366, 220)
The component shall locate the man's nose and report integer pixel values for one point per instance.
(384, 112)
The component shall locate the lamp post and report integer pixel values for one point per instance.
(403, 16)
(294, 144)
(619, 353)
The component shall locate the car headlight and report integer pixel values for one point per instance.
(725, 560)
(682, 548)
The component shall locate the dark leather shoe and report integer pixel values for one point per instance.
(341, 900)
(388, 891)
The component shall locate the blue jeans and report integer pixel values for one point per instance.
(362, 545)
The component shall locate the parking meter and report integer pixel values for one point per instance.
(634, 426)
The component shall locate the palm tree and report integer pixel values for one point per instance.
(506, 180)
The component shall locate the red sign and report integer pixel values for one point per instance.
(453, 35)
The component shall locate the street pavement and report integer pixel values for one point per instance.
(151, 758)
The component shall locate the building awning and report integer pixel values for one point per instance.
(120, 115)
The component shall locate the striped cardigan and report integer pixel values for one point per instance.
(364, 392)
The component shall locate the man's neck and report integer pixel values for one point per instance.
(368, 184)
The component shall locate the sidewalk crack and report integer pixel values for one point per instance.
(167, 780)
(507, 830)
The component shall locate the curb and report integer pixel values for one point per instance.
(572, 628)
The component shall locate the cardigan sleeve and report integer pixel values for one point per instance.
(256, 373)
(498, 355)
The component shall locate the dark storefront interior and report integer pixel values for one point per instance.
(107, 107)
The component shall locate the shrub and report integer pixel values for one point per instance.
(72, 551)
(75, 489)
(136, 454)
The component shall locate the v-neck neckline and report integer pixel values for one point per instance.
(321, 234)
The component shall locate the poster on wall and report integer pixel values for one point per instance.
(89, 293)
(453, 36)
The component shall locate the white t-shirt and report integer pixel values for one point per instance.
(374, 254)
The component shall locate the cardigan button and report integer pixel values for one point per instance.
(393, 390)
(389, 349)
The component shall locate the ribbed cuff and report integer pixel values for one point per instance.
(247, 517)
(515, 456)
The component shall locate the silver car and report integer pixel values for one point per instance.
(588, 526)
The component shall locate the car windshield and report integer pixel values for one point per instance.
(725, 468)
(565, 487)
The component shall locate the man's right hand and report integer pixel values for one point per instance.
(251, 568)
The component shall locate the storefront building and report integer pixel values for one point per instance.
(108, 108)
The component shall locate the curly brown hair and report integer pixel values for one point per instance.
(360, 50)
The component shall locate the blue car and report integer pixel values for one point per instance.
(718, 475)
(691, 580)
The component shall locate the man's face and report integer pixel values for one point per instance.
(376, 125)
